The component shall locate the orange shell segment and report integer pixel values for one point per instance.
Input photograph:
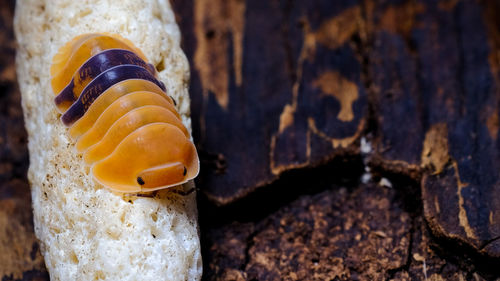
(61, 58)
(150, 158)
(115, 111)
(128, 123)
(76, 52)
(109, 96)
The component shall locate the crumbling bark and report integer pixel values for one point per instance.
(360, 233)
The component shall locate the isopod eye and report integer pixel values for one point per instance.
(140, 181)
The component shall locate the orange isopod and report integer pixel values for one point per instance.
(124, 124)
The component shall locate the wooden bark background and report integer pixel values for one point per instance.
(340, 140)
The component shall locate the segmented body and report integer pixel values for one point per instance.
(123, 122)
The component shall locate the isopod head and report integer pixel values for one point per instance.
(144, 161)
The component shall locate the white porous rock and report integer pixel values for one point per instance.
(86, 231)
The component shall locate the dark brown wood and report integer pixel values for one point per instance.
(434, 74)
(281, 85)
(364, 233)
(275, 86)
(394, 88)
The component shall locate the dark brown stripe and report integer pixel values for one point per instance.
(100, 84)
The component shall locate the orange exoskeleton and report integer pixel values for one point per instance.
(125, 125)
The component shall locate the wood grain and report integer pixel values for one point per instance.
(275, 86)
(436, 94)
